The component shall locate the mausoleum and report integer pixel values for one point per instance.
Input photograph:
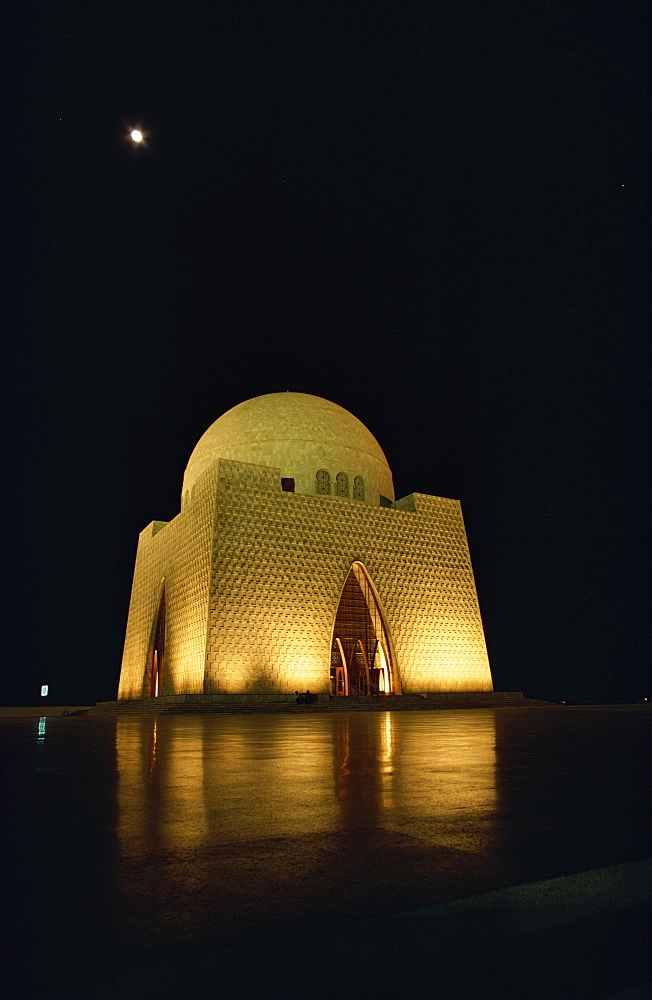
(291, 566)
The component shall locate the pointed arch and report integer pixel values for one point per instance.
(339, 670)
(364, 674)
(155, 666)
(381, 665)
(360, 642)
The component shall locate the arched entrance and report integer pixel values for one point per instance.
(361, 658)
(158, 649)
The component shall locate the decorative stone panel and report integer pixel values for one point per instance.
(254, 576)
(180, 553)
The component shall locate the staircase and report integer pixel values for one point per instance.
(225, 705)
(139, 706)
(382, 703)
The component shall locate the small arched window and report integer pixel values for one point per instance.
(358, 488)
(323, 483)
(342, 485)
(186, 498)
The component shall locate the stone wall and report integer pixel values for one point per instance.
(253, 577)
(279, 564)
(178, 553)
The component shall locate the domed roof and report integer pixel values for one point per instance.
(300, 435)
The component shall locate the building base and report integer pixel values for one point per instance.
(190, 704)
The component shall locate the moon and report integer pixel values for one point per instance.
(137, 135)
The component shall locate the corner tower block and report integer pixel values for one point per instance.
(291, 566)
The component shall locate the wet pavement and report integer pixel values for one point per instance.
(128, 839)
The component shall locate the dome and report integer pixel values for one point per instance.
(301, 435)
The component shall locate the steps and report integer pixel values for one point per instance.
(139, 706)
(284, 704)
(383, 703)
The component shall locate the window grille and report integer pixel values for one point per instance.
(342, 484)
(323, 482)
(358, 488)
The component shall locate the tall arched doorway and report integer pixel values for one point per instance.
(361, 656)
(158, 648)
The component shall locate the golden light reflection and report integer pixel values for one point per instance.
(445, 783)
(152, 753)
(197, 792)
(186, 782)
(364, 748)
(160, 786)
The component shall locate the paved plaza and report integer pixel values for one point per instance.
(347, 853)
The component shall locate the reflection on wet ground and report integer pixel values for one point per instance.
(136, 832)
(318, 816)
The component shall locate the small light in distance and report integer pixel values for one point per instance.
(44, 691)
(136, 135)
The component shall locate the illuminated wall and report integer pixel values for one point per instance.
(253, 577)
(178, 552)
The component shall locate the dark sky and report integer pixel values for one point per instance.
(426, 212)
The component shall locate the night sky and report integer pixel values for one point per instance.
(425, 212)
